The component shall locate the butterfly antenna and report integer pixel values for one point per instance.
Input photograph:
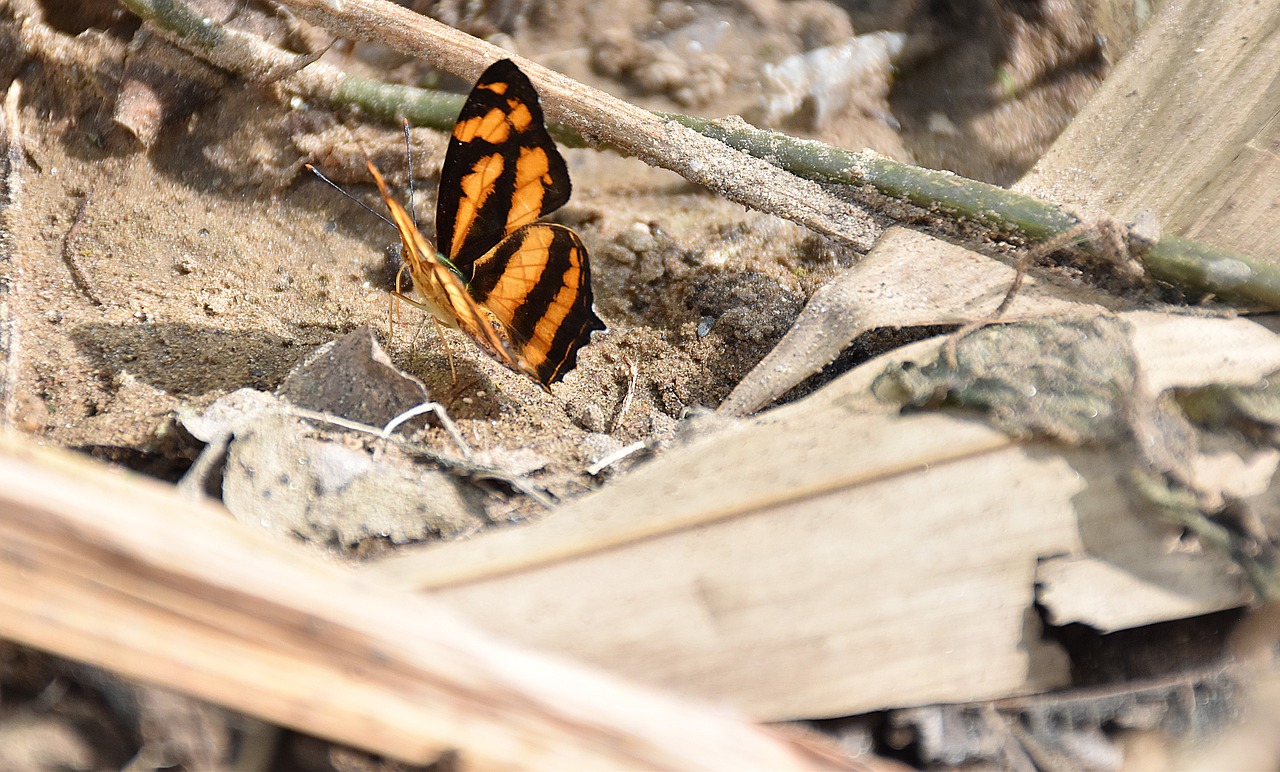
(339, 188)
(408, 162)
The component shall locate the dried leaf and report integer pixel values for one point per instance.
(1072, 379)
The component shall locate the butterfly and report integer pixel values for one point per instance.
(520, 289)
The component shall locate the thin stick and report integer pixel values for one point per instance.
(464, 466)
(617, 456)
(14, 167)
(440, 413)
(79, 277)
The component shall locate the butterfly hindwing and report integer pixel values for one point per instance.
(502, 169)
(537, 282)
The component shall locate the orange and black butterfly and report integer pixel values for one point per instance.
(520, 289)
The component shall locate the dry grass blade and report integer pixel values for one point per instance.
(123, 573)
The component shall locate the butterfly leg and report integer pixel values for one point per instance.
(400, 296)
(393, 305)
(391, 321)
(447, 350)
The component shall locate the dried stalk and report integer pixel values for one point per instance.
(122, 572)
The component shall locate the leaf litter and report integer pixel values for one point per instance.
(179, 320)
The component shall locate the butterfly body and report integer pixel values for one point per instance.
(519, 288)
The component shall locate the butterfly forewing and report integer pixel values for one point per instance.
(502, 169)
(537, 282)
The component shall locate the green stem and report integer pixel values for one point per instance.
(1195, 269)
(391, 102)
(178, 18)
(1192, 267)
(1234, 277)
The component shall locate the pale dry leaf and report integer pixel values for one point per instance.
(280, 476)
(908, 279)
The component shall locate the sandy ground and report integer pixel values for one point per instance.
(148, 278)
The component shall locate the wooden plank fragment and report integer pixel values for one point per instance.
(831, 604)
(807, 564)
(1109, 597)
(1187, 126)
(832, 556)
(124, 573)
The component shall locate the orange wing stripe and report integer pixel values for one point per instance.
(502, 116)
(544, 334)
(530, 188)
(492, 127)
(520, 275)
(476, 188)
(519, 115)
